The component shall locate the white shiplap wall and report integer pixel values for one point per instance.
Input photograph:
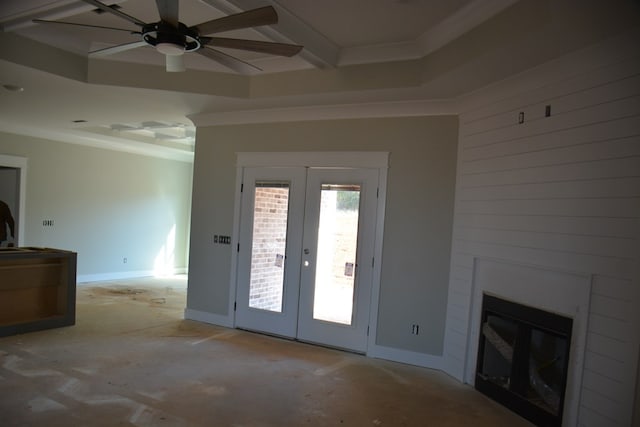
(560, 192)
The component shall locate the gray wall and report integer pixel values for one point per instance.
(106, 205)
(418, 223)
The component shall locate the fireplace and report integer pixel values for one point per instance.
(523, 359)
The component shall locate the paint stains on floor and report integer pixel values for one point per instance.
(131, 360)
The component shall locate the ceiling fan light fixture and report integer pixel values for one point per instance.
(175, 63)
(170, 49)
(173, 38)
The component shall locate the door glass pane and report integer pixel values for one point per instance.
(269, 246)
(336, 260)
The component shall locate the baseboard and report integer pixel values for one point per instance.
(405, 356)
(376, 351)
(212, 318)
(118, 275)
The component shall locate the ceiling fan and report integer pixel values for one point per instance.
(172, 38)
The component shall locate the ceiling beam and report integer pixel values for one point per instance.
(461, 22)
(318, 50)
(35, 9)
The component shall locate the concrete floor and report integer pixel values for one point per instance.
(131, 360)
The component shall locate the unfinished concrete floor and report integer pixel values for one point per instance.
(131, 360)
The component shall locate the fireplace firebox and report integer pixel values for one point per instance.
(523, 359)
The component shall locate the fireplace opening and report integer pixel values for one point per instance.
(523, 359)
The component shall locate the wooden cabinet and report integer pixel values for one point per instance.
(37, 289)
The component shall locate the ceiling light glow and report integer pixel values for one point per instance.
(170, 49)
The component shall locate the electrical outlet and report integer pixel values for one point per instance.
(124, 260)
(415, 329)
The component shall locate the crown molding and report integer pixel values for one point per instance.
(103, 142)
(411, 108)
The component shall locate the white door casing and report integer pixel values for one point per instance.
(374, 166)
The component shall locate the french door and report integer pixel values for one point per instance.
(305, 257)
(270, 242)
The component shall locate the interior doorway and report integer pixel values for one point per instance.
(12, 192)
(307, 244)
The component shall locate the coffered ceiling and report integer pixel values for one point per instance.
(333, 32)
(128, 99)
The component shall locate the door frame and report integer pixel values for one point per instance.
(21, 164)
(317, 159)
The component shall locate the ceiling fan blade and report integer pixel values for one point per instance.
(252, 18)
(42, 21)
(228, 61)
(281, 49)
(168, 10)
(117, 49)
(115, 11)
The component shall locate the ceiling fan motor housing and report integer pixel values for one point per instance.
(164, 34)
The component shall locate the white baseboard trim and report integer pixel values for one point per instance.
(454, 368)
(100, 277)
(405, 356)
(203, 316)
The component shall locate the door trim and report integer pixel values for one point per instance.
(21, 164)
(325, 159)
(315, 159)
